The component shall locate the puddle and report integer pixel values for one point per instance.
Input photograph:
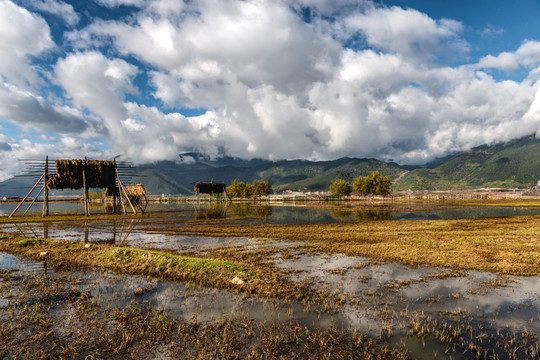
(514, 305)
(133, 233)
(176, 299)
(16, 264)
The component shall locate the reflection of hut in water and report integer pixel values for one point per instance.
(212, 212)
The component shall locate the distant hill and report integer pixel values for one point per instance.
(515, 164)
(508, 165)
(169, 177)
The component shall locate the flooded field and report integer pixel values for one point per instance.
(432, 312)
(299, 212)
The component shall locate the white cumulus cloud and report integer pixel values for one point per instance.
(24, 35)
(59, 8)
(408, 32)
(271, 79)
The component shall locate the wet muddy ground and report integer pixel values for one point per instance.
(431, 312)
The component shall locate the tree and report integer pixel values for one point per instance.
(237, 188)
(247, 191)
(241, 189)
(373, 184)
(340, 188)
(261, 188)
(362, 185)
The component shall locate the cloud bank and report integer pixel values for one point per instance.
(266, 79)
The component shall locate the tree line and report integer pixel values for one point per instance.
(373, 184)
(242, 189)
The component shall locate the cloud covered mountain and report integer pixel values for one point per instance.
(514, 164)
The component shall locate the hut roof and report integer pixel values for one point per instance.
(209, 188)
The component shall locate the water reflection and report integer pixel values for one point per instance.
(291, 214)
(109, 232)
(259, 211)
(18, 265)
(216, 211)
(372, 215)
(340, 215)
(381, 298)
(180, 300)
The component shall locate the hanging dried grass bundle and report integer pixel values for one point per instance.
(136, 190)
(69, 174)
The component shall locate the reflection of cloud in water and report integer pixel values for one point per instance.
(20, 265)
(513, 305)
(360, 319)
(206, 304)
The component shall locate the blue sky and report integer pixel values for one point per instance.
(397, 80)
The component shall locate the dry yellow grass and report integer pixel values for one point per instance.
(504, 245)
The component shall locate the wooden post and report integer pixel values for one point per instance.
(86, 209)
(121, 189)
(114, 191)
(32, 203)
(45, 211)
(26, 197)
(45, 230)
(126, 194)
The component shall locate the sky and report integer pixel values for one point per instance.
(396, 80)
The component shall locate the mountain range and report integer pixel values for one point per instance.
(514, 164)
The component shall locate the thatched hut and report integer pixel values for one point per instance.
(209, 188)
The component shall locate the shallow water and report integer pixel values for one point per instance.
(377, 296)
(179, 300)
(514, 302)
(146, 232)
(298, 212)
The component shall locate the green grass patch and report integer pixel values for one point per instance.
(29, 242)
(171, 262)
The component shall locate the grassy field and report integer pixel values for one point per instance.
(507, 245)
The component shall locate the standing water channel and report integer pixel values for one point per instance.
(433, 312)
